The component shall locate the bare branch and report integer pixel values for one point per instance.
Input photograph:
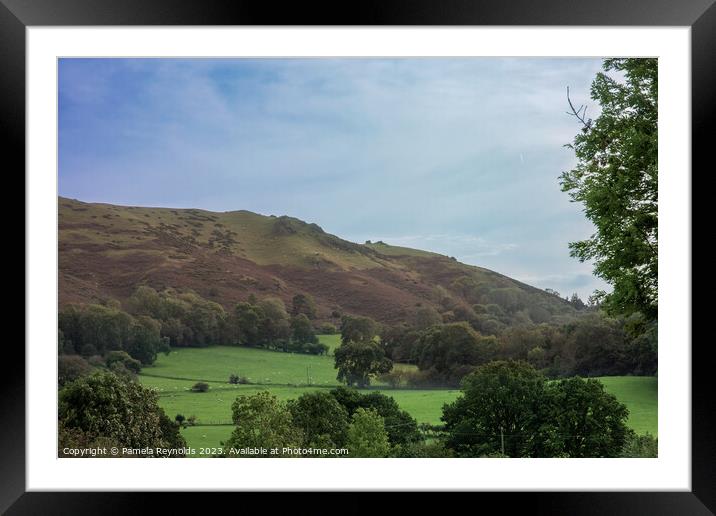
(586, 123)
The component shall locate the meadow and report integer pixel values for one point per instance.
(289, 375)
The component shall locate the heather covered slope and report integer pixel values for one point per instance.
(106, 251)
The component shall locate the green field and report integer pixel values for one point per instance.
(289, 375)
(639, 394)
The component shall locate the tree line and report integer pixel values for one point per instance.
(590, 345)
(156, 321)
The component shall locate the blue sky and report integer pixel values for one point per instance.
(455, 155)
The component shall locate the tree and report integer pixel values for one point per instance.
(366, 435)
(445, 347)
(322, 419)
(247, 318)
(400, 426)
(509, 408)
(122, 357)
(357, 362)
(358, 329)
(274, 325)
(500, 410)
(590, 422)
(104, 405)
(302, 330)
(146, 340)
(616, 180)
(71, 367)
(425, 317)
(179, 418)
(262, 421)
(303, 304)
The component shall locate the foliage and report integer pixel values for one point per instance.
(71, 367)
(200, 387)
(303, 304)
(616, 180)
(401, 426)
(131, 364)
(366, 436)
(445, 348)
(327, 329)
(358, 329)
(358, 361)
(302, 330)
(640, 446)
(262, 421)
(97, 329)
(104, 405)
(507, 407)
(500, 409)
(322, 419)
(589, 421)
(425, 317)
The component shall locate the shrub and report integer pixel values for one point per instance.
(393, 378)
(122, 357)
(233, 379)
(71, 367)
(641, 446)
(200, 387)
(327, 329)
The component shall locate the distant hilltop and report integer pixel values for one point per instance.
(106, 251)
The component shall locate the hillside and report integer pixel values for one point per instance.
(106, 251)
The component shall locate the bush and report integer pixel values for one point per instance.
(71, 367)
(327, 329)
(233, 379)
(641, 446)
(200, 387)
(393, 378)
(123, 357)
(314, 348)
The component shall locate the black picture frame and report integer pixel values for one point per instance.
(700, 15)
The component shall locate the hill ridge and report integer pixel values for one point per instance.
(106, 251)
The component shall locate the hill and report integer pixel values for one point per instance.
(106, 251)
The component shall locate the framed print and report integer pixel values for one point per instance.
(419, 249)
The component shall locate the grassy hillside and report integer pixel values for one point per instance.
(106, 251)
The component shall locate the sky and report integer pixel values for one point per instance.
(459, 156)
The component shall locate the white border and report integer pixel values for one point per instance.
(671, 471)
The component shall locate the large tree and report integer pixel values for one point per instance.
(104, 405)
(500, 411)
(617, 182)
(357, 362)
(323, 420)
(508, 408)
(590, 422)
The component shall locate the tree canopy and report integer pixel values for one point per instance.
(617, 182)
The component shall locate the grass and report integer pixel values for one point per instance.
(258, 365)
(284, 374)
(332, 341)
(639, 394)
